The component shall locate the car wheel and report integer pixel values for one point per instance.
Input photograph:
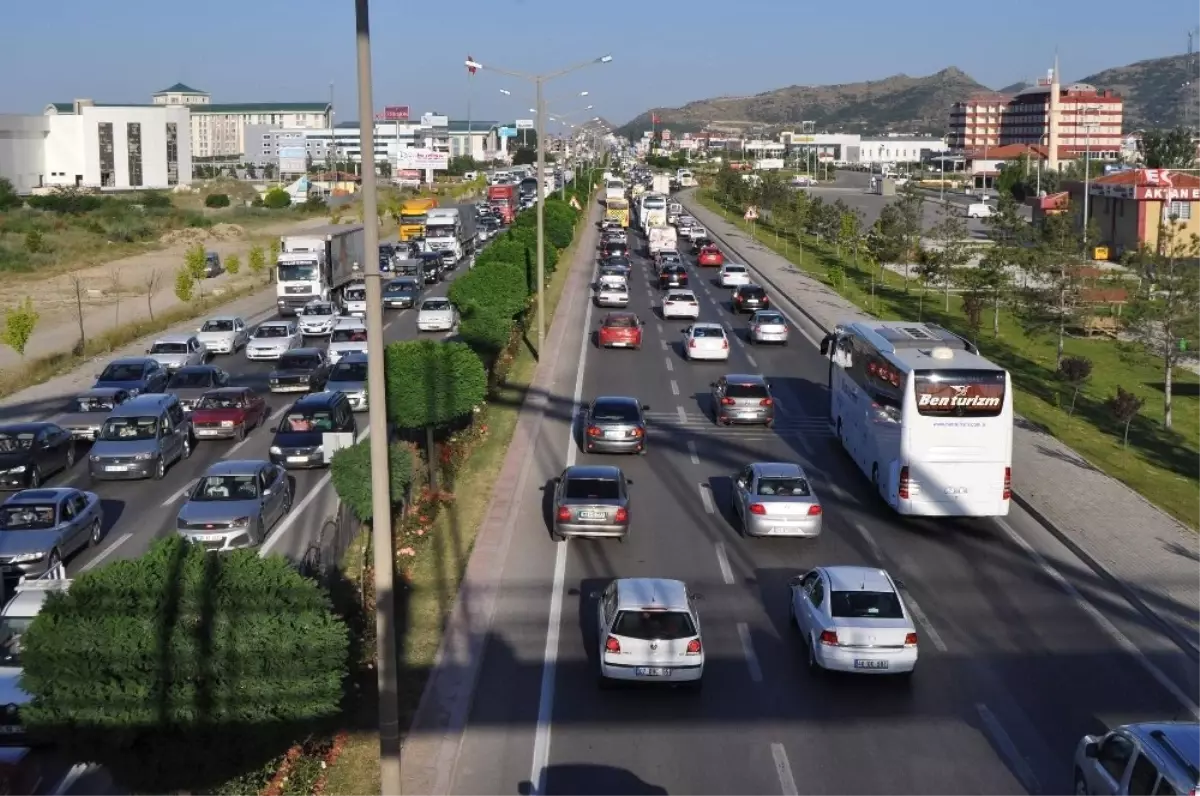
(187, 448)
(96, 533)
(70, 454)
(1081, 788)
(53, 560)
(814, 666)
(240, 433)
(160, 469)
(287, 501)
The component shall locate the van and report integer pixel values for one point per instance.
(980, 210)
(141, 439)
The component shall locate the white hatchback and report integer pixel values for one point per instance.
(348, 337)
(706, 341)
(649, 633)
(613, 291)
(733, 275)
(680, 304)
(437, 315)
(271, 339)
(317, 318)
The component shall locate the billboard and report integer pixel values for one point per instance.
(419, 158)
(768, 163)
(293, 160)
(395, 113)
(508, 132)
(524, 124)
(433, 120)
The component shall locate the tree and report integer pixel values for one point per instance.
(350, 472)
(185, 284)
(1011, 239)
(1075, 372)
(950, 238)
(1167, 149)
(269, 171)
(910, 208)
(1049, 302)
(9, 198)
(251, 172)
(19, 323)
(257, 260)
(229, 659)
(972, 307)
(215, 200)
(277, 199)
(431, 384)
(308, 163)
(35, 242)
(153, 279)
(233, 264)
(195, 260)
(524, 156)
(1124, 407)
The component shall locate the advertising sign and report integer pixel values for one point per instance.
(1164, 194)
(768, 163)
(432, 120)
(417, 158)
(396, 113)
(292, 160)
(524, 124)
(508, 132)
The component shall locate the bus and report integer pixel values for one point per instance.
(412, 217)
(924, 416)
(617, 210)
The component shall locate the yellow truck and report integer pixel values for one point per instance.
(412, 217)
(618, 210)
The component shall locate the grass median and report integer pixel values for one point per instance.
(1162, 465)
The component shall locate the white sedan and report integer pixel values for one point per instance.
(273, 339)
(733, 275)
(705, 341)
(853, 619)
(436, 315)
(680, 304)
(175, 351)
(612, 292)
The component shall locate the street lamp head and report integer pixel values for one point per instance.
(584, 93)
(505, 92)
(588, 108)
(533, 110)
(472, 64)
(604, 59)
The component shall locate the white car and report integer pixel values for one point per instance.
(175, 351)
(436, 315)
(613, 291)
(317, 318)
(272, 338)
(980, 210)
(733, 275)
(355, 296)
(694, 231)
(768, 326)
(348, 337)
(680, 304)
(853, 619)
(649, 633)
(223, 334)
(706, 341)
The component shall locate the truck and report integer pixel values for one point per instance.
(685, 178)
(661, 183)
(451, 233)
(412, 217)
(614, 188)
(503, 199)
(317, 265)
(661, 239)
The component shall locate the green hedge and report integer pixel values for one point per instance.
(487, 331)
(350, 472)
(498, 286)
(559, 219)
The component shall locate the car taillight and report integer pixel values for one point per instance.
(904, 482)
(637, 432)
(910, 640)
(1007, 483)
(594, 431)
(814, 511)
(724, 344)
(693, 647)
(564, 514)
(829, 638)
(758, 508)
(738, 299)
(727, 402)
(622, 515)
(765, 402)
(612, 645)
(692, 343)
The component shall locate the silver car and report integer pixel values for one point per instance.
(235, 504)
(768, 326)
(436, 315)
(90, 409)
(776, 499)
(271, 339)
(742, 398)
(1151, 757)
(188, 384)
(349, 376)
(41, 527)
(591, 501)
(224, 334)
(317, 318)
(176, 351)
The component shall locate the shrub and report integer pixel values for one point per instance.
(277, 199)
(501, 287)
(216, 200)
(487, 331)
(233, 264)
(185, 285)
(431, 383)
(350, 472)
(34, 242)
(66, 200)
(158, 200)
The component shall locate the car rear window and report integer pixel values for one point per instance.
(654, 625)
(592, 489)
(620, 322)
(703, 331)
(784, 487)
(615, 412)
(686, 298)
(735, 269)
(735, 390)
(753, 292)
(865, 605)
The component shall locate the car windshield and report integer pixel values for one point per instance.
(220, 400)
(318, 309)
(295, 361)
(358, 294)
(349, 371)
(865, 605)
(734, 269)
(654, 625)
(400, 286)
(11, 630)
(169, 348)
(300, 422)
(706, 331)
(92, 403)
(195, 378)
(773, 318)
(122, 373)
(217, 326)
(686, 298)
(615, 412)
(11, 443)
(297, 272)
(592, 489)
(435, 305)
(752, 292)
(784, 487)
(125, 429)
(620, 322)
(226, 487)
(27, 517)
(348, 335)
(272, 332)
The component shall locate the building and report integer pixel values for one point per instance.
(975, 122)
(23, 150)
(1128, 207)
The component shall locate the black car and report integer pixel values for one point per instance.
(434, 267)
(614, 249)
(401, 293)
(190, 382)
(300, 370)
(31, 451)
(700, 243)
(138, 375)
(749, 298)
(302, 429)
(672, 276)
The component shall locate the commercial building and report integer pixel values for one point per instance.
(1128, 207)
(975, 122)
(23, 150)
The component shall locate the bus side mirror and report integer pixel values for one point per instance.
(825, 345)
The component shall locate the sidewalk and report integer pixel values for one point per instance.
(1128, 541)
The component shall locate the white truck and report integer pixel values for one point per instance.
(661, 183)
(451, 233)
(317, 265)
(15, 618)
(614, 188)
(662, 239)
(652, 212)
(685, 178)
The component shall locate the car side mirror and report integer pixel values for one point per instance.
(796, 580)
(274, 429)
(645, 407)
(1091, 750)
(712, 384)
(556, 480)
(685, 331)
(147, 350)
(629, 482)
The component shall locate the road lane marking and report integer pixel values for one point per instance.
(178, 494)
(682, 414)
(278, 413)
(751, 360)
(670, 365)
(664, 345)
(1101, 620)
(692, 451)
(707, 499)
(783, 770)
(1007, 748)
(923, 620)
(106, 552)
(236, 445)
(674, 387)
(723, 563)
(659, 327)
(875, 551)
(748, 651)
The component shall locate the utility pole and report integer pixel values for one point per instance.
(541, 218)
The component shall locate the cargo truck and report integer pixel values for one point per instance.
(451, 233)
(317, 265)
(661, 183)
(412, 217)
(503, 199)
(661, 239)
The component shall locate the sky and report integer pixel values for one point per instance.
(664, 54)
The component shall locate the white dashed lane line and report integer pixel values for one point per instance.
(692, 452)
(674, 387)
(723, 563)
(748, 650)
(707, 499)
(670, 365)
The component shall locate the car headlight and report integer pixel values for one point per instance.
(226, 424)
(304, 377)
(274, 382)
(19, 469)
(318, 451)
(134, 391)
(143, 456)
(240, 522)
(25, 558)
(276, 450)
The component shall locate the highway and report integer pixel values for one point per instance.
(1013, 668)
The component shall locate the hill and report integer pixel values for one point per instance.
(1157, 93)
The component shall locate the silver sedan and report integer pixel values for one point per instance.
(768, 326)
(776, 499)
(235, 504)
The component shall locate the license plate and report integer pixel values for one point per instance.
(651, 671)
(614, 435)
(207, 538)
(870, 664)
(780, 529)
(297, 459)
(591, 515)
(956, 490)
(749, 413)
(205, 432)
(619, 344)
(117, 468)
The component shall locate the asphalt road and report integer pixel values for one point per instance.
(1013, 668)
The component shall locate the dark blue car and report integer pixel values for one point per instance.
(137, 375)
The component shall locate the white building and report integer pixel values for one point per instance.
(22, 150)
(895, 150)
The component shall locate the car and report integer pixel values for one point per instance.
(615, 236)
(620, 330)
(349, 376)
(432, 267)
(619, 264)
(300, 436)
(176, 351)
(853, 619)
(768, 326)
(980, 210)
(137, 375)
(615, 424)
(590, 501)
(710, 257)
(349, 337)
(401, 293)
(733, 275)
(749, 298)
(742, 398)
(613, 291)
(701, 241)
(672, 276)
(437, 315)
(354, 300)
(1160, 757)
(89, 409)
(695, 232)
(613, 249)
(188, 384)
(317, 318)
(140, 439)
(228, 413)
(234, 505)
(665, 258)
(223, 334)
(680, 304)
(649, 632)
(212, 265)
(300, 370)
(31, 451)
(776, 499)
(273, 339)
(705, 341)
(41, 527)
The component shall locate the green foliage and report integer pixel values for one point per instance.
(432, 383)
(195, 260)
(67, 201)
(257, 260)
(1168, 149)
(487, 331)
(9, 199)
(216, 200)
(277, 199)
(497, 285)
(233, 264)
(559, 220)
(34, 242)
(154, 200)
(273, 253)
(185, 284)
(350, 472)
(19, 323)
(149, 665)
(525, 155)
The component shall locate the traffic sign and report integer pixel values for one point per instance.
(751, 213)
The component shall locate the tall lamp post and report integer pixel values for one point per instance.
(539, 81)
(381, 502)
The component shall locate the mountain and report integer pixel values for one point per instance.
(1160, 92)
(1020, 85)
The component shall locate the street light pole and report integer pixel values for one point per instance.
(541, 219)
(381, 503)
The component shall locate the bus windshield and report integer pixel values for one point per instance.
(959, 393)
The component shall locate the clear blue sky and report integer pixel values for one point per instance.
(665, 53)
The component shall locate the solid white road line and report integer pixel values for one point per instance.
(236, 446)
(659, 327)
(106, 552)
(72, 776)
(279, 413)
(664, 345)
(1007, 748)
(707, 499)
(875, 551)
(748, 651)
(674, 387)
(670, 365)
(692, 451)
(783, 770)
(750, 359)
(178, 494)
(683, 418)
(723, 563)
(923, 620)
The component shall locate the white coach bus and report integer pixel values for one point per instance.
(926, 418)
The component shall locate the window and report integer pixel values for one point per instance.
(172, 153)
(959, 393)
(784, 487)
(1143, 777)
(133, 139)
(736, 390)
(1114, 755)
(592, 489)
(817, 594)
(865, 605)
(1181, 211)
(108, 173)
(654, 625)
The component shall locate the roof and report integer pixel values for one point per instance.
(910, 345)
(176, 337)
(276, 321)
(180, 88)
(17, 428)
(744, 378)
(262, 107)
(222, 318)
(131, 360)
(308, 351)
(1183, 735)
(656, 592)
(235, 467)
(315, 398)
(40, 495)
(858, 579)
(616, 399)
(100, 392)
(141, 403)
(779, 469)
(69, 107)
(1140, 177)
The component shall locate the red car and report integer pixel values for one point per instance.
(228, 413)
(711, 256)
(620, 330)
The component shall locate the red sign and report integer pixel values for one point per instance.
(1164, 194)
(408, 174)
(395, 113)
(1161, 177)
(470, 69)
